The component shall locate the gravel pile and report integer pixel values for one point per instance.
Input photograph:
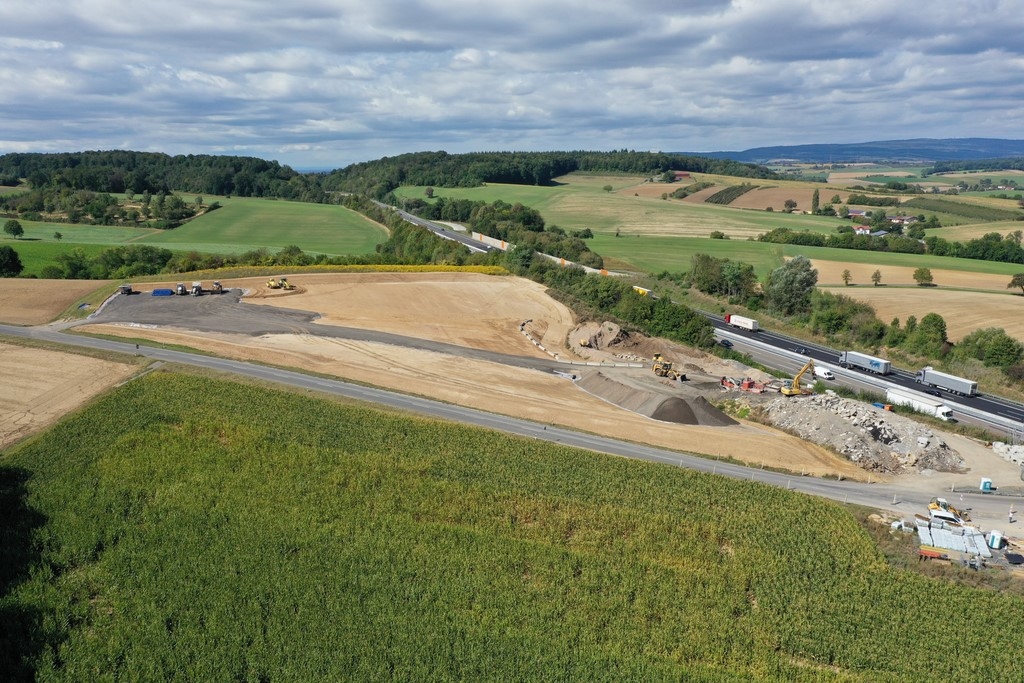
(875, 439)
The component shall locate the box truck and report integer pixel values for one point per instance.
(951, 383)
(921, 404)
(862, 361)
(742, 322)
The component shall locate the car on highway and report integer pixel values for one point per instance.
(726, 343)
(933, 392)
(801, 350)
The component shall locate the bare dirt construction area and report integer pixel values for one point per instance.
(36, 302)
(41, 386)
(478, 312)
(476, 340)
(963, 311)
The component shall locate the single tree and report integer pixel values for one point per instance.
(789, 205)
(815, 200)
(846, 277)
(789, 287)
(13, 228)
(1017, 281)
(876, 277)
(923, 276)
(836, 199)
(10, 263)
(429, 192)
(607, 188)
(58, 236)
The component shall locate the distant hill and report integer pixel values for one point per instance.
(919, 150)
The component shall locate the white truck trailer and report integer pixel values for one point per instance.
(742, 322)
(862, 361)
(921, 404)
(951, 383)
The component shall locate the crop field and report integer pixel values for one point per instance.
(971, 231)
(581, 201)
(657, 254)
(157, 535)
(246, 224)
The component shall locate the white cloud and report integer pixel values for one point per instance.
(339, 81)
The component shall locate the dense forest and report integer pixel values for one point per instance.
(1016, 163)
(380, 177)
(139, 172)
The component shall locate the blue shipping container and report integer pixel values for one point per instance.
(163, 292)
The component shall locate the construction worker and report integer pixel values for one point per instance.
(1011, 514)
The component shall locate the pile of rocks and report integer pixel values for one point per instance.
(875, 439)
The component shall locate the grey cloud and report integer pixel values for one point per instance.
(338, 81)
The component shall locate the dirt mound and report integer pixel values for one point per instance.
(675, 410)
(653, 403)
(709, 415)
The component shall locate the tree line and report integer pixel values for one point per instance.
(992, 246)
(380, 177)
(123, 171)
(790, 292)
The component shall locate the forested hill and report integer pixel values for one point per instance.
(440, 169)
(916, 151)
(138, 172)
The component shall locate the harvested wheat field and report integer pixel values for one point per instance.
(964, 312)
(35, 302)
(831, 273)
(41, 386)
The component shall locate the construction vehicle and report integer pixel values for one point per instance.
(940, 508)
(794, 388)
(284, 284)
(218, 288)
(197, 289)
(272, 283)
(180, 289)
(663, 368)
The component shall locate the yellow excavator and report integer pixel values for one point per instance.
(272, 283)
(663, 368)
(794, 388)
(284, 284)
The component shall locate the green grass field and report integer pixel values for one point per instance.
(246, 224)
(657, 254)
(183, 528)
(240, 225)
(35, 255)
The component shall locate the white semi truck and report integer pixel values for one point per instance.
(742, 322)
(951, 383)
(921, 404)
(862, 361)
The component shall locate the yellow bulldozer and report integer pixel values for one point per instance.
(794, 388)
(663, 368)
(284, 284)
(272, 283)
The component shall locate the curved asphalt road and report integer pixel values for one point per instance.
(882, 496)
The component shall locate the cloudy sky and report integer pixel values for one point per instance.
(326, 83)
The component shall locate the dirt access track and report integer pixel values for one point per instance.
(457, 337)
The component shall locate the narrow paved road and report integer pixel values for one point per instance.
(881, 496)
